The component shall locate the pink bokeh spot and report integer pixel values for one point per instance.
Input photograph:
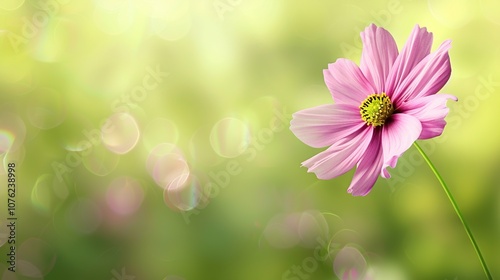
(124, 196)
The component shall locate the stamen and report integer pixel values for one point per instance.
(376, 109)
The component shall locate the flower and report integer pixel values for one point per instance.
(380, 109)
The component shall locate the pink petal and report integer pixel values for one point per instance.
(427, 77)
(416, 48)
(340, 157)
(378, 56)
(368, 167)
(346, 82)
(324, 125)
(397, 137)
(430, 111)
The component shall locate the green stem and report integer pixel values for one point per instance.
(455, 206)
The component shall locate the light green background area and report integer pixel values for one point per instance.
(151, 140)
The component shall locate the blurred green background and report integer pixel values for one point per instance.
(151, 141)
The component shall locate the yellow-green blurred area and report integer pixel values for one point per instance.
(151, 141)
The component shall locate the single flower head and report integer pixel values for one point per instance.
(380, 109)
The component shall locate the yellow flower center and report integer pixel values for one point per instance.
(375, 109)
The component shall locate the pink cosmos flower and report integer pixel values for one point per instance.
(380, 109)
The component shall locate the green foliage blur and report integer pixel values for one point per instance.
(151, 141)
